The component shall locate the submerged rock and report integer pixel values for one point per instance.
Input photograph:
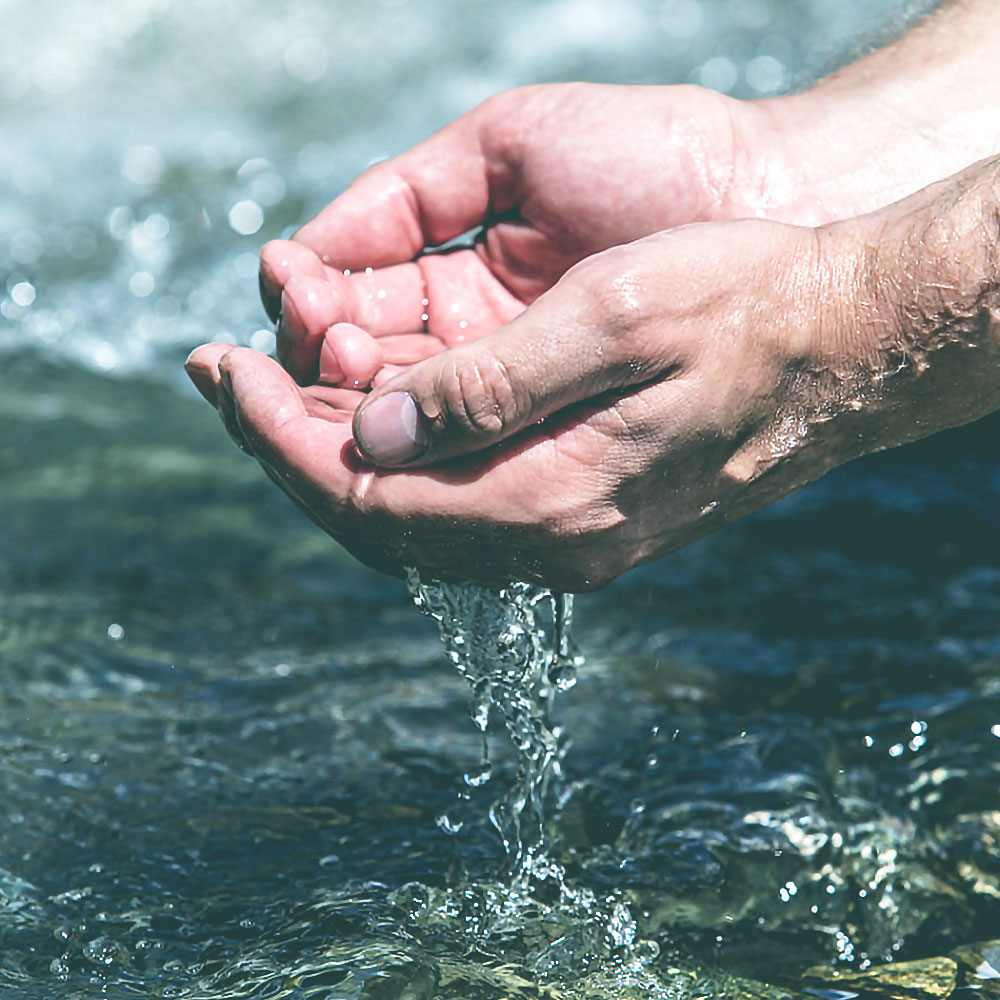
(972, 967)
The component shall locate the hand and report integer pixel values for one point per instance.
(553, 174)
(681, 381)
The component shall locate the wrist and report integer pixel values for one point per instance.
(921, 341)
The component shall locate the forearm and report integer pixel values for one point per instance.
(893, 122)
(925, 330)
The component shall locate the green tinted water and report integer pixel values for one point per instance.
(235, 792)
(233, 763)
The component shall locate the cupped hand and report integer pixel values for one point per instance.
(657, 391)
(549, 175)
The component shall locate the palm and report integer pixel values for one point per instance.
(301, 437)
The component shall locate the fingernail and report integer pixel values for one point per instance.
(392, 430)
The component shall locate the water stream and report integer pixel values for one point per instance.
(513, 646)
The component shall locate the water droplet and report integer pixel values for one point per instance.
(449, 826)
(104, 951)
(143, 166)
(307, 59)
(562, 674)
(481, 777)
(263, 341)
(26, 247)
(765, 74)
(141, 284)
(156, 226)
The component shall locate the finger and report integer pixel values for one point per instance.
(281, 260)
(309, 306)
(349, 357)
(428, 195)
(274, 417)
(569, 346)
(389, 301)
(304, 455)
(387, 374)
(202, 367)
(227, 412)
(409, 348)
(330, 402)
(465, 300)
(455, 296)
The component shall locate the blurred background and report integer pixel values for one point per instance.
(224, 746)
(151, 146)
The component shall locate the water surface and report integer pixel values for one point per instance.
(225, 747)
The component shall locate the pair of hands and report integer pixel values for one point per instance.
(621, 363)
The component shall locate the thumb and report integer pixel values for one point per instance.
(567, 347)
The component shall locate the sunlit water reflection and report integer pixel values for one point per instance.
(225, 749)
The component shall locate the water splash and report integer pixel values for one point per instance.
(513, 646)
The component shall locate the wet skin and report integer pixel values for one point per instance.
(684, 380)
(579, 391)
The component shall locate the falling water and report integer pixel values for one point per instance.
(513, 646)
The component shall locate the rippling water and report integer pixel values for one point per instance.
(224, 747)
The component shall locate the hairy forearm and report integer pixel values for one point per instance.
(892, 122)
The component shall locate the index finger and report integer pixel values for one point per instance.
(428, 195)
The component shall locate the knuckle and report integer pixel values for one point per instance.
(478, 395)
(617, 301)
